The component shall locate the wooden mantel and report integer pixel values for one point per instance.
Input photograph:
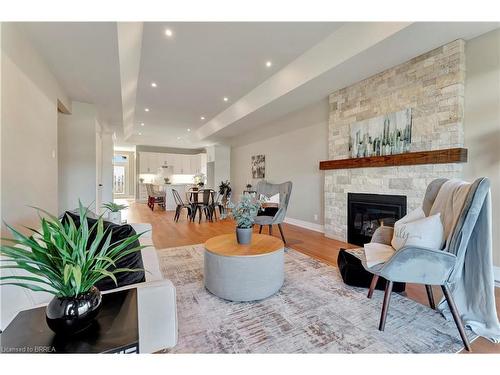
(449, 155)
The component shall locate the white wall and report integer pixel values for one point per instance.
(222, 165)
(29, 101)
(78, 153)
(482, 119)
(293, 146)
(107, 154)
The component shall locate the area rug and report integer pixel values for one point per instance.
(314, 312)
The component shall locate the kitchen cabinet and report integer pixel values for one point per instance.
(143, 193)
(203, 163)
(151, 162)
(144, 162)
(164, 160)
(186, 164)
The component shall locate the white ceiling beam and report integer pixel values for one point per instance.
(343, 44)
(129, 48)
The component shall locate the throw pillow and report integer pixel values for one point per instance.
(272, 199)
(426, 232)
(133, 260)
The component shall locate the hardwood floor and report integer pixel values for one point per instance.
(167, 233)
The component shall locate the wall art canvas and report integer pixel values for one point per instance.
(384, 135)
(259, 166)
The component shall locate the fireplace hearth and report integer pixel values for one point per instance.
(367, 212)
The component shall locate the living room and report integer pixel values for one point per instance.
(180, 185)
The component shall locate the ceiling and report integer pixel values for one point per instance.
(204, 62)
(195, 68)
(83, 57)
(113, 66)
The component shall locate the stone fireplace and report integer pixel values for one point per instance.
(432, 85)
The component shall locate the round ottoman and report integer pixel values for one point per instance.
(244, 272)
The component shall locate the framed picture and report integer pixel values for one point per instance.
(384, 135)
(259, 166)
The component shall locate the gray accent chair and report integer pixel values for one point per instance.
(285, 190)
(430, 267)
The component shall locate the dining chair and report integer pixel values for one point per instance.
(412, 264)
(180, 205)
(205, 205)
(267, 189)
(155, 196)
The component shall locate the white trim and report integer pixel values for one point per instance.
(305, 224)
(496, 273)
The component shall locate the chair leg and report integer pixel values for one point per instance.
(373, 284)
(456, 316)
(176, 216)
(260, 229)
(281, 232)
(270, 230)
(430, 296)
(385, 306)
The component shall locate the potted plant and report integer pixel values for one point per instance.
(249, 187)
(114, 211)
(244, 213)
(141, 180)
(225, 191)
(66, 261)
(198, 180)
(167, 181)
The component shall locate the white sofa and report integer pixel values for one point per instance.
(157, 308)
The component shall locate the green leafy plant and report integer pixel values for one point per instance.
(245, 211)
(225, 187)
(113, 207)
(63, 259)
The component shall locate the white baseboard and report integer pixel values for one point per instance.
(305, 224)
(496, 273)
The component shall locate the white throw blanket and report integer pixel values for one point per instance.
(474, 288)
(449, 202)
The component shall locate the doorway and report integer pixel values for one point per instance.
(123, 175)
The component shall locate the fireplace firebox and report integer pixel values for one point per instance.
(367, 212)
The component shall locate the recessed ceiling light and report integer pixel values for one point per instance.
(188, 129)
(140, 133)
(178, 138)
(269, 64)
(168, 32)
(153, 84)
(225, 99)
(142, 124)
(202, 118)
(146, 109)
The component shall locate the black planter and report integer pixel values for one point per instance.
(70, 315)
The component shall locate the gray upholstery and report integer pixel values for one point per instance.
(433, 266)
(463, 269)
(268, 189)
(244, 278)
